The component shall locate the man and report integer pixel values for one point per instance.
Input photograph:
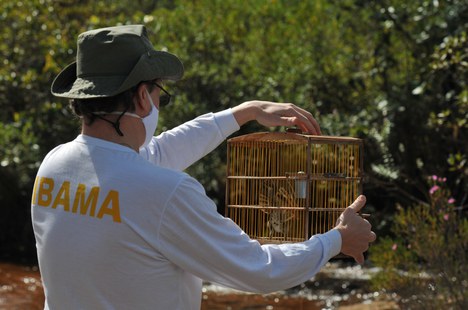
(119, 226)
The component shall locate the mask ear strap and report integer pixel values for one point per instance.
(150, 99)
(115, 124)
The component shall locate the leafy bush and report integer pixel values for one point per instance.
(426, 260)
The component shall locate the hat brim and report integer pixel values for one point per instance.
(151, 65)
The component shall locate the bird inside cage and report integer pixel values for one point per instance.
(275, 198)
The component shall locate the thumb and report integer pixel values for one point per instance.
(275, 120)
(288, 120)
(357, 205)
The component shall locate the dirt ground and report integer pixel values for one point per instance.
(21, 289)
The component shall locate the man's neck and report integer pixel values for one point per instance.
(130, 128)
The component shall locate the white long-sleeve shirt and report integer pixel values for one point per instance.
(120, 230)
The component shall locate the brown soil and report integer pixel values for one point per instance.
(21, 289)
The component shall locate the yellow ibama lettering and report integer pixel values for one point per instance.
(34, 196)
(63, 197)
(110, 206)
(46, 185)
(43, 190)
(85, 203)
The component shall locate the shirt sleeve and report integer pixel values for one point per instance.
(180, 147)
(201, 241)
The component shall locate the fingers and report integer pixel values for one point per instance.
(272, 114)
(308, 123)
(359, 258)
(357, 205)
(303, 119)
(358, 252)
(286, 114)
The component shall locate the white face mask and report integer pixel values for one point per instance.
(150, 121)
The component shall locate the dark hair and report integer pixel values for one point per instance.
(85, 108)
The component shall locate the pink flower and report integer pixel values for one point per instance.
(394, 247)
(451, 200)
(446, 217)
(434, 189)
(434, 177)
(442, 179)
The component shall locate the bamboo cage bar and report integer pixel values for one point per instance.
(286, 187)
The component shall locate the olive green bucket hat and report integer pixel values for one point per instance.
(112, 60)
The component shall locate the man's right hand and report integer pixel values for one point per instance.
(356, 233)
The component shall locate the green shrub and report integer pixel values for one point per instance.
(426, 260)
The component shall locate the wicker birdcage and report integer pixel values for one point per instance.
(286, 187)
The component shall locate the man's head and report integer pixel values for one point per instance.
(115, 74)
(86, 109)
(112, 60)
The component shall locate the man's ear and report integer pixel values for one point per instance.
(142, 103)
